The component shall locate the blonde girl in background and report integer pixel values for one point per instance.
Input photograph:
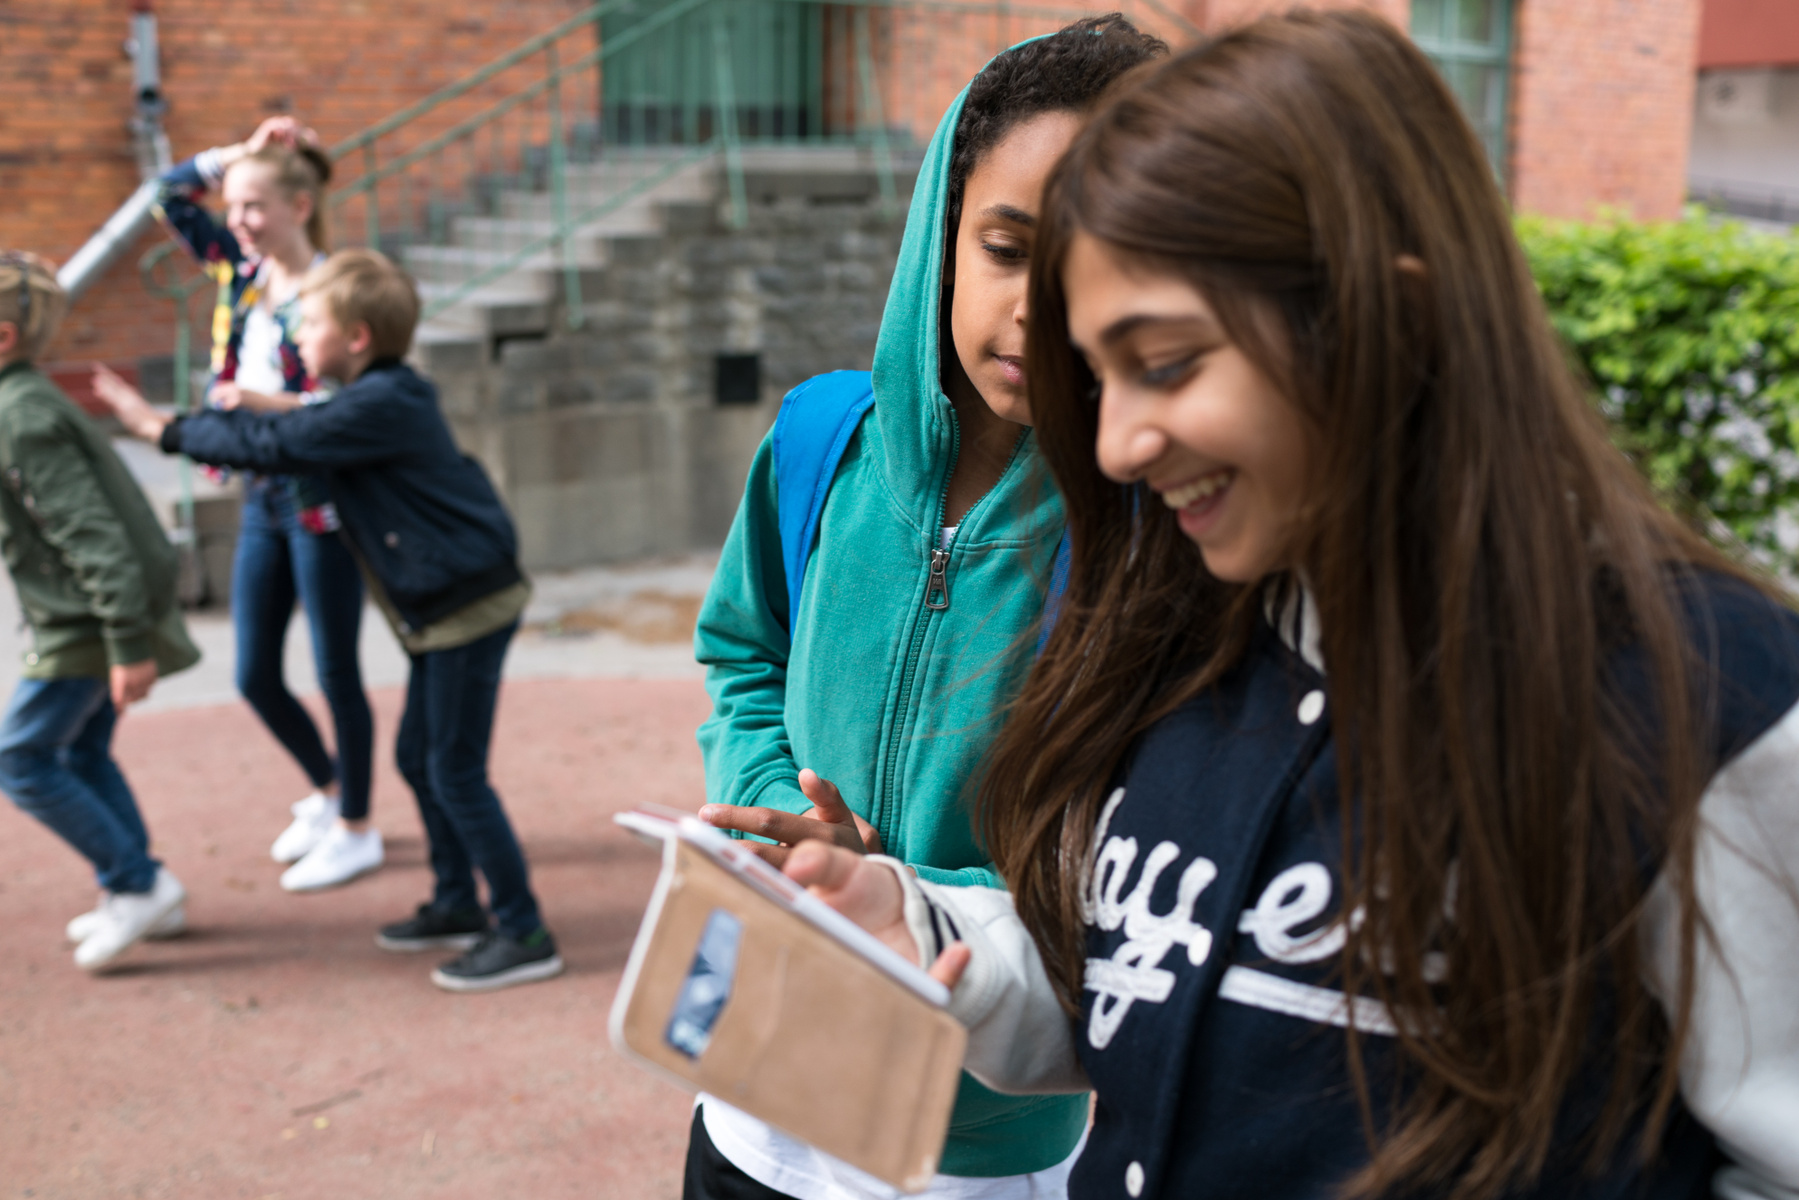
(273, 232)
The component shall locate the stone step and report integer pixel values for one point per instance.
(510, 233)
(502, 310)
(589, 188)
(519, 302)
(540, 205)
(456, 264)
(626, 166)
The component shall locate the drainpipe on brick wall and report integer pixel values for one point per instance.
(146, 86)
(152, 144)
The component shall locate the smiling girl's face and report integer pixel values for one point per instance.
(1184, 410)
(263, 218)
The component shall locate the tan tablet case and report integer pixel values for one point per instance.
(813, 1039)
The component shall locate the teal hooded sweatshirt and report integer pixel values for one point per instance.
(893, 702)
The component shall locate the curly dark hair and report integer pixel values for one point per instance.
(1066, 71)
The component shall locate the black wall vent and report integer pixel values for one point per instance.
(738, 379)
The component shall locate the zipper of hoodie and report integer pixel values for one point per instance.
(938, 566)
(936, 600)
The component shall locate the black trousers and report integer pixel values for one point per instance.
(712, 1176)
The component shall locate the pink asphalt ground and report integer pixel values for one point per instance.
(275, 1051)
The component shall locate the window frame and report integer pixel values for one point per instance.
(1446, 52)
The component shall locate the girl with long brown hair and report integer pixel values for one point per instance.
(1403, 803)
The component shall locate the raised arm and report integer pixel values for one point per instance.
(359, 428)
(354, 430)
(183, 186)
(178, 205)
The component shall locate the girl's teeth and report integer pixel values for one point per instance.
(1180, 497)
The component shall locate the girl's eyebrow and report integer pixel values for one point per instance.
(1123, 327)
(1006, 212)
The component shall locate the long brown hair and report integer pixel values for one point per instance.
(1476, 548)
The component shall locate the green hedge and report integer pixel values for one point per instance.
(1690, 331)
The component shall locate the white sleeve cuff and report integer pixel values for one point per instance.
(208, 163)
(1020, 1039)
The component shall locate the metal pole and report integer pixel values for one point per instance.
(182, 387)
(124, 227)
(871, 100)
(370, 207)
(727, 105)
(571, 274)
(152, 140)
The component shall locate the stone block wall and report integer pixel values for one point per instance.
(607, 440)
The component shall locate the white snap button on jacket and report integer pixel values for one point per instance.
(1311, 708)
(1133, 1179)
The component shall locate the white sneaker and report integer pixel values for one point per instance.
(80, 928)
(313, 819)
(125, 918)
(341, 855)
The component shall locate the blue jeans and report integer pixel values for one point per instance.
(277, 562)
(56, 764)
(441, 751)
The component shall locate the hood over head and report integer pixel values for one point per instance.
(916, 420)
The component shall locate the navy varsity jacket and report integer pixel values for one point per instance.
(1211, 1030)
(421, 515)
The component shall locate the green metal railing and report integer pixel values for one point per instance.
(662, 83)
(597, 113)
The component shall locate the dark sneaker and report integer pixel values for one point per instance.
(434, 929)
(498, 961)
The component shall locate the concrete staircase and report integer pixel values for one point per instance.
(519, 302)
(618, 439)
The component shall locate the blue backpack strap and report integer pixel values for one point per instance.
(1058, 584)
(814, 426)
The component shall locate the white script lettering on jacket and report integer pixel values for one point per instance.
(1293, 899)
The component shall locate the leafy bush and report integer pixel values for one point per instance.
(1690, 332)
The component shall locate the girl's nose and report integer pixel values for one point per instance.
(1127, 444)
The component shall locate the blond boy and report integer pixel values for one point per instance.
(96, 581)
(441, 558)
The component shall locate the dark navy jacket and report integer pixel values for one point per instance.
(1210, 1028)
(421, 515)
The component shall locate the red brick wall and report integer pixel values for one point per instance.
(66, 159)
(1600, 115)
(928, 56)
(1749, 33)
(1602, 107)
(1222, 14)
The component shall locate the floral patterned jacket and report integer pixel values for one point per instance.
(239, 277)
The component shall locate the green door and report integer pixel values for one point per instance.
(1471, 43)
(663, 88)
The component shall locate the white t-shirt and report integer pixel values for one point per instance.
(793, 1168)
(259, 353)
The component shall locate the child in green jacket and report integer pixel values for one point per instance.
(96, 582)
(912, 632)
